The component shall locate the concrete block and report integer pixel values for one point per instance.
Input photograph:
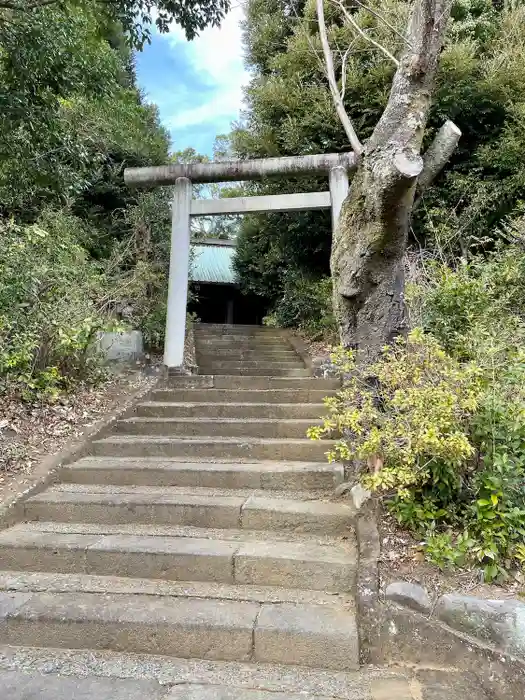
(261, 513)
(314, 636)
(296, 565)
(184, 628)
(167, 558)
(142, 505)
(123, 346)
(25, 685)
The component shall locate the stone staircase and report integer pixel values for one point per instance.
(202, 528)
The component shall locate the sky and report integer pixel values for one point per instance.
(197, 85)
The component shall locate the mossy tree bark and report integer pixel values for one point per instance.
(370, 241)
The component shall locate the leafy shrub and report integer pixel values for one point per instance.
(305, 304)
(476, 310)
(410, 423)
(444, 442)
(48, 314)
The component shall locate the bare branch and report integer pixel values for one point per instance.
(366, 36)
(330, 72)
(343, 72)
(438, 154)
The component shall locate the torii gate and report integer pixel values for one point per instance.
(335, 165)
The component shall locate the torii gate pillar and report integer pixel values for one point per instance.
(178, 275)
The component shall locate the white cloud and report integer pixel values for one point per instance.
(217, 55)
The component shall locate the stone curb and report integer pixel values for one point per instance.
(367, 581)
(316, 363)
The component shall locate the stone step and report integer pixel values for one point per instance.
(202, 381)
(197, 507)
(324, 567)
(240, 341)
(280, 396)
(219, 353)
(243, 449)
(235, 328)
(32, 673)
(216, 427)
(302, 635)
(294, 476)
(55, 582)
(264, 371)
(215, 364)
(161, 409)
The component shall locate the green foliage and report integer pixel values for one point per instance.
(412, 418)
(476, 309)
(79, 251)
(289, 112)
(48, 314)
(137, 16)
(444, 442)
(305, 304)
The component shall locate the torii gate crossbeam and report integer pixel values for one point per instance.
(335, 165)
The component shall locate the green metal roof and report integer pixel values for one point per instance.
(212, 262)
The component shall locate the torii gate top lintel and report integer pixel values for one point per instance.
(238, 170)
(334, 165)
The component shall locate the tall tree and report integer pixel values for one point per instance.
(368, 248)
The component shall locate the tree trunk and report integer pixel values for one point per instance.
(370, 242)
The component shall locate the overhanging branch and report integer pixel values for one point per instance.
(330, 73)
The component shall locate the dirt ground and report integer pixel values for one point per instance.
(402, 559)
(30, 432)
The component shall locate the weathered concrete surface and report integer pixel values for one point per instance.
(501, 622)
(289, 564)
(123, 346)
(186, 628)
(252, 449)
(217, 427)
(17, 685)
(306, 636)
(223, 547)
(411, 595)
(159, 409)
(294, 476)
(230, 394)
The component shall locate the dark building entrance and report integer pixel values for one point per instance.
(216, 297)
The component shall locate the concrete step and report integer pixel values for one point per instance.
(280, 396)
(235, 328)
(161, 409)
(197, 507)
(262, 371)
(294, 476)
(324, 567)
(55, 582)
(216, 427)
(202, 381)
(215, 364)
(32, 673)
(243, 449)
(303, 635)
(241, 341)
(226, 353)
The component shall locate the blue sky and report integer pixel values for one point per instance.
(197, 85)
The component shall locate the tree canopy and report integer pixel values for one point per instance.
(137, 16)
